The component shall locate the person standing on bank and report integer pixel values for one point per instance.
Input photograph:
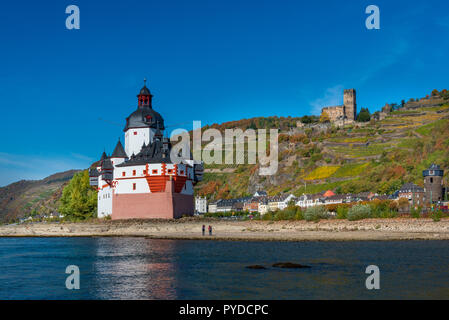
(210, 230)
(204, 229)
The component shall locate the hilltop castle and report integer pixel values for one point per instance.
(140, 180)
(348, 111)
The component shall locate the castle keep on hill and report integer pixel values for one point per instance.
(140, 180)
(348, 111)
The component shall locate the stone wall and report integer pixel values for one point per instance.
(334, 113)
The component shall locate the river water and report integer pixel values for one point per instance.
(140, 268)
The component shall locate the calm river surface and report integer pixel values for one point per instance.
(139, 268)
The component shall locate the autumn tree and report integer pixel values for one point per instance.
(324, 118)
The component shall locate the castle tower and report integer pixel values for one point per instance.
(141, 125)
(433, 183)
(350, 104)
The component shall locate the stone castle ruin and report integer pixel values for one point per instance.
(346, 112)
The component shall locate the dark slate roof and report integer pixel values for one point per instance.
(103, 156)
(156, 152)
(107, 164)
(93, 172)
(434, 170)
(145, 91)
(434, 167)
(119, 152)
(144, 117)
(410, 187)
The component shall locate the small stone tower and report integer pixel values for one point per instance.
(433, 183)
(350, 104)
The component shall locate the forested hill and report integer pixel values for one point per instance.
(374, 155)
(22, 198)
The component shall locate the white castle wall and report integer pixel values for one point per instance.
(104, 200)
(135, 138)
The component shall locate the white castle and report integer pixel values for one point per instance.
(140, 181)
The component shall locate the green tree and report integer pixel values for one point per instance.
(364, 115)
(306, 119)
(79, 199)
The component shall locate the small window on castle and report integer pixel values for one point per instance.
(123, 173)
(170, 171)
(134, 172)
(154, 171)
(182, 171)
(135, 133)
(431, 180)
(144, 171)
(134, 186)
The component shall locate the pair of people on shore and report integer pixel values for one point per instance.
(209, 229)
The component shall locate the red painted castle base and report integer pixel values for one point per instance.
(159, 205)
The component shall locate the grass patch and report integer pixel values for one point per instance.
(427, 129)
(362, 151)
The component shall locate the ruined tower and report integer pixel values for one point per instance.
(433, 183)
(350, 105)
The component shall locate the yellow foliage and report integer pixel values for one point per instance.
(322, 172)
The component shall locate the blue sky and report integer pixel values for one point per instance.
(214, 61)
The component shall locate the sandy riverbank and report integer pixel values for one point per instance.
(190, 228)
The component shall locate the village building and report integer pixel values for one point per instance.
(263, 206)
(252, 205)
(212, 208)
(413, 193)
(260, 193)
(335, 199)
(279, 202)
(140, 180)
(200, 204)
(310, 200)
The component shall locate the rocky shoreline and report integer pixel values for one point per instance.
(190, 229)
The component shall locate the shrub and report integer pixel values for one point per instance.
(316, 213)
(299, 214)
(342, 212)
(358, 212)
(415, 213)
(436, 216)
(267, 216)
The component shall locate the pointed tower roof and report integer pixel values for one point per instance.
(119, 151)
(103, 156)
(144, 91)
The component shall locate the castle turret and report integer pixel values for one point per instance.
(433, 184)
(141, 125)
(119, 154)
(350, 104)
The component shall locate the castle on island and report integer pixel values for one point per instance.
(346, 112)
(140, 180)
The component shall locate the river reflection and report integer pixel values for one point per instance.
(135, 268)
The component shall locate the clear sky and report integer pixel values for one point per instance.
(210, 60)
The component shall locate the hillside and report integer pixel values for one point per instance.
(21, 198)
(376, 156)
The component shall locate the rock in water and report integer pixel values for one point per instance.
(257, 267)
(290, 265)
